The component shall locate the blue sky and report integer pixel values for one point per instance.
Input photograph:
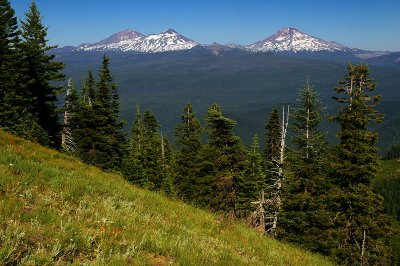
(365, 24)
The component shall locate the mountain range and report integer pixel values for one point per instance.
(286, 40)
(162, 72)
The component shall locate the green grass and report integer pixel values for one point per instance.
(56, 210)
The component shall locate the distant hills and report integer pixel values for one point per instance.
(288, 41)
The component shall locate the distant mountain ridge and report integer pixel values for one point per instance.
(129, 40)
(293, 40)
(287, 41)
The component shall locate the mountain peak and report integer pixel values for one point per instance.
(130, 40)
(288, 29)
(170, 31)
(293, 40)
(121, 36)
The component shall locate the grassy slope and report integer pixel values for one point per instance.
(55, 209)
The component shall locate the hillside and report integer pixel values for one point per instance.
(55, 209)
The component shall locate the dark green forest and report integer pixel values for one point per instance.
(165, 82)
(295, 181)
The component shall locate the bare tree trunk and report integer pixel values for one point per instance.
(275, 202)
(258, 217)
(67, 142)
(363, 250)
(162, 147)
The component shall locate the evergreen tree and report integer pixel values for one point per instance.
(110, 145)
(41, 71)
(167, 174)
(187, 166)
(133, 167)
(152, 151)
(11, 103)
(273, 141)
(148, 162)
(227, 155)
(84, 124)
(250, 182)
(98, 131)
(88, 89)
(303, 216)
(15, 100)
(359, 222)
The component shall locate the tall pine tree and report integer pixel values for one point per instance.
(133, 166)
(84, 123)
(97, 129)
(152, 150)
(250, 182)
(228, 156)
(41, 71)
(187, 167)
(110, 146)
(359, 223)
(303, 216)
(15, 99)
(272, 141)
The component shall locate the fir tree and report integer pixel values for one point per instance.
(41, 71)
(273, 140)
(98, 131)
(88, 89)
(359, 222)
(15, 99)
(110, 145)
(167, 174)
(250, 182)
(152, 151)
(187, 166)
(148, 162)
(84, 121)
(133, 166)
(303, 211)
(227, 155)
(11, 103)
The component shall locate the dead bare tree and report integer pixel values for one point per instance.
(67, 141)
(363, 262)
(274, 203)
(258, 216)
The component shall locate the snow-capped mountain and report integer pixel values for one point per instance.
(293, 40)
(287, 40)
(129, 40)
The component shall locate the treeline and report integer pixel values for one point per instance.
(316, 195)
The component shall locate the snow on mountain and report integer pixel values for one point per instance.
(129, 40)
(288, 40)
(293, 40)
